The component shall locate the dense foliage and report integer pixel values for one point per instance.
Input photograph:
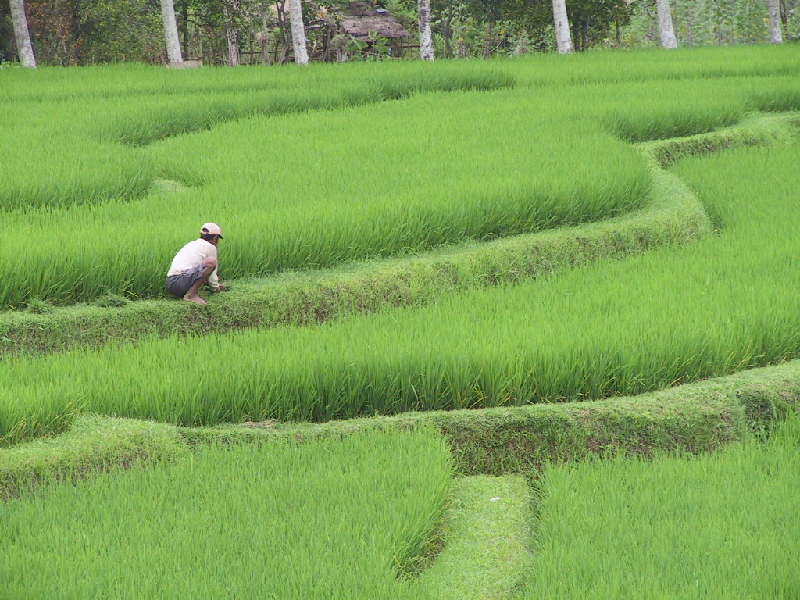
(609, 328)
(69, 32)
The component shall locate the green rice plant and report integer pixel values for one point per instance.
(667, 317)
(322, 519)
(466, 179)
(611, 328)
(646, 66)
(484, 167)
(72, 128)
(714, 526)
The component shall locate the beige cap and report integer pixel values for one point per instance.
(211, 228)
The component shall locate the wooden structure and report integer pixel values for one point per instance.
(361, 18)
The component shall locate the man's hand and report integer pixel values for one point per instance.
(220, 288)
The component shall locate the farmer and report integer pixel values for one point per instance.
(195, 265)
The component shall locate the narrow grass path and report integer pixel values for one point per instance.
(486, 534)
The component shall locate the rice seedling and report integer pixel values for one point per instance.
(611, 328)
(666, 317)
(714, 526)
(325, 519)
(485, 166)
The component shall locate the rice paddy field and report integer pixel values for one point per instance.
(599, 226)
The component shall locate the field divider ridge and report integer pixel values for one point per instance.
(486, 534)
(697, 417)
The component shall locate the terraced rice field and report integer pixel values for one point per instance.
(398, 237)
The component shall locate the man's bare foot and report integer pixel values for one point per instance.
(194, 298)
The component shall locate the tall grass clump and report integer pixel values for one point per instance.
(323, 519)
(310, 167)
(714, 526)
(667, 317)
(481, 167)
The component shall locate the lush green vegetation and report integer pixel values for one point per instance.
(714, 526)
(472, 162)
(482, 348)
(328, 519)
(594, 332)
(482, 169)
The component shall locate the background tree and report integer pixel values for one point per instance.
(230, 10)
(21, 34)
(171, 32)
(775, 35)
(425, 41)
(665, 29)
(563, 36)
(298, 32)
(78, 32)
(597, 21)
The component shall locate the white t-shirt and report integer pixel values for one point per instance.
(191, 255)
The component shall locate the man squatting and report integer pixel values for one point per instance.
(195, 265)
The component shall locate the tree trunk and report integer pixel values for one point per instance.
(665, 30)
(298, 32)
(775, 35)
(264, 39)
(447, 32)
(21, 34)
(185, 28)
(563, 35)
(231, 33)
(232, 36)
(425, 41)
(171, 32)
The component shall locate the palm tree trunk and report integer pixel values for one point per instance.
(298, 32)
(665, 30)
(425, 41)
(775, 35)
(21, 34)
(171, 32)
(563, 35)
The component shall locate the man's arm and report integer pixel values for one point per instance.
(213, 279)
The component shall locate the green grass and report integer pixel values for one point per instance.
(483, 168)
(486, 536)
(327, 519)
(714, 526)
(481, 348)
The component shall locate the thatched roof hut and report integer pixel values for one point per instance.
(360, 18)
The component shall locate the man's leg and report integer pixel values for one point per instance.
(193, 295)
